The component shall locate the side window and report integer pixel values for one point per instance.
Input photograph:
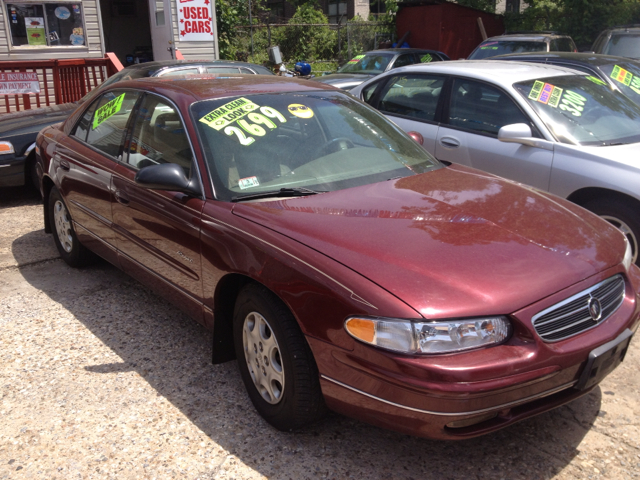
(429, 58)
(554, 45)
(182, 71)
(158, 136)
(403, 60)
(481, 108)
(368, 91)
(413, 96)
(566, 45)
(247, 71)
(104, 123)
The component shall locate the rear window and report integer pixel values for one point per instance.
(493, 48)
(623, 46)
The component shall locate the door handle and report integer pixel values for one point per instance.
(65, 165)
(121, 197)
(449, 142)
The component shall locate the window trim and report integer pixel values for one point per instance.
(43, 48)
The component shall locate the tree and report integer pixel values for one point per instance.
(486, 5)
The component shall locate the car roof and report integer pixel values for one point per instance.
(533, 37)
(402, 50)
(162, 64)
(493, 71)
(624, 28)
(208, 86)
(585, 58)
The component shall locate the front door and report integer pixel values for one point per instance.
(161, 32)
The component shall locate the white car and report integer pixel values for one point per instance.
(554, 128)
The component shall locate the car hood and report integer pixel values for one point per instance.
(453, 242)
(36, 119)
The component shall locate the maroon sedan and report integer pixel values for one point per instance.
(336, 260)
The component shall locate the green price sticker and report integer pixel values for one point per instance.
(426, 58)
(229, 113)
(621, 75)
(595, 80)
(356, 59)
(536, 90)
(108, 110)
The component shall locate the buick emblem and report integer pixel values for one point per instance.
(595, 309)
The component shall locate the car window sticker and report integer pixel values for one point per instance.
(546, 93)
(625, 77)
(488, 48)
(426, 58)
(299, 110)
(356, 59)
(573, 103)
(248, 182)
(107, 110)
(241, 110)
(595, 80)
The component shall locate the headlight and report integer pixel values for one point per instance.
(6, 147)
(628, 255)
(408, 336)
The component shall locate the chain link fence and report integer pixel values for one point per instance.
(324, 46)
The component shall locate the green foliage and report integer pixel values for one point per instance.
(229, 14)
(486, 5)
(583, 20)
(306, 43)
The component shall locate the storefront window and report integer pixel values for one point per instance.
(46, 24)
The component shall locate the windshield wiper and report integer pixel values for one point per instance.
(283, 192)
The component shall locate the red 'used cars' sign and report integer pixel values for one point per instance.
(12, 83)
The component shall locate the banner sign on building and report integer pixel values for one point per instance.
(194, 17)
(12, 83)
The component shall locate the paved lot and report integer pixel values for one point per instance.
(100, 378)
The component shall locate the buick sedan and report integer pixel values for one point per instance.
(334, 258)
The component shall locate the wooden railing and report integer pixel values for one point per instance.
(61, 81)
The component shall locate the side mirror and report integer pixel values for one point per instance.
(167, 176)
(521, 133)
(417, 137)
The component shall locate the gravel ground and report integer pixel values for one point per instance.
(100, 378)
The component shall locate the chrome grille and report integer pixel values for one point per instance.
(573, 315)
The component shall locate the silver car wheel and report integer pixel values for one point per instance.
(262, 354)
(626, 230)
(63, 226)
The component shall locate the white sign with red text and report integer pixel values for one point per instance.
(194, 17)
(12, 83)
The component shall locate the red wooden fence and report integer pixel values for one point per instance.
(61, 81)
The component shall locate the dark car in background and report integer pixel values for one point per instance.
(622, 41)
(363, 67)
(523, 42)
(18, 130)
(619, 72)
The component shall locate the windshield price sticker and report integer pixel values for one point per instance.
(356, 59)
(229, 113)
(595, 80)
(488, 48)
(573, 103)
(108, 110)
(239, 111)
(426, 58)
(248, 182)
(546, 93)
(621, 75)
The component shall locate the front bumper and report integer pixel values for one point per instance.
(470, 394)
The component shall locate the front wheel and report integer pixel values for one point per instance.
(621, 216)
(276, 363)
(71, 250)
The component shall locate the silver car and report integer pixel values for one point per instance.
(554, 128)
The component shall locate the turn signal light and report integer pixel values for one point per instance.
(6, 147)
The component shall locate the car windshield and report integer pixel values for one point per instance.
(321, 141)
(626, 76)
(623, 46)
(583, 110)
(493, 48)
(368, 63)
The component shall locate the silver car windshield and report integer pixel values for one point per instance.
(321, 141)
(583, 110)
(493, 48)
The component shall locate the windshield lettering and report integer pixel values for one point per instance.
(229, 113)
(621, 75)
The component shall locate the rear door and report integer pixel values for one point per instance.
(158, 231)
(412, 101)
(469, 135)
(86, 160)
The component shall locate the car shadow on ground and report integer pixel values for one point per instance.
(172, 353)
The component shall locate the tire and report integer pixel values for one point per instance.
(621, 216)
(31, 175)
(275, 361)
(71, 250)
